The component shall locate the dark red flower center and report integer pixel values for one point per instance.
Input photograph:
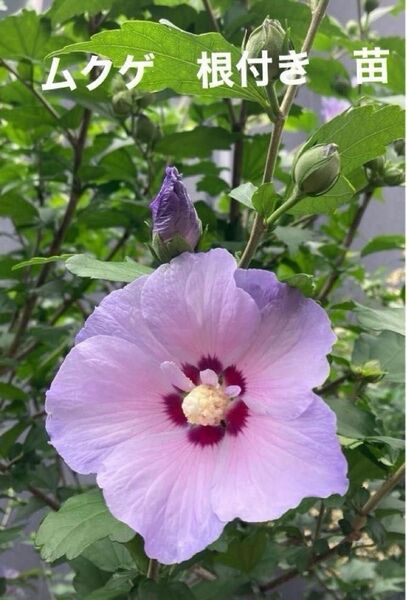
(236, 415)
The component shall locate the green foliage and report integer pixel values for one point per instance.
(176, 55)
(361, 133)
(24, 36)
(81, 521)
(384, 242)
(264, 200)
(86, 266)
(78, 171)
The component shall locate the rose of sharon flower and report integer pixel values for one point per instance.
(332, 107)
(189, 393)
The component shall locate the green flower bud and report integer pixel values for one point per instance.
(370, 371)
(272, 37)
(122, 103)
(145, 130)
(376, 165)
(393, 176)
(317, 169)
(145, 100)
(371, 5)
(352, 28)
(400, 147)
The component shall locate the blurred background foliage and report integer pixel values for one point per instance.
(78, 170)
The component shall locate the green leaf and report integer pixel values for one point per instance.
(264, 199)
(293, 237)
(199, 142)
(322, 74)
(305, 283)
(29, 118)
(394, 443)
(8, 535)
(87, 266)
(176, 53)
(357, 570)
(81, 521)
(62, 10)
(361, 133)
(118, 587)
(8, 391)
(40, 260)
(381, 319)
(244, 554)
(109, 556)
(88, 577)
(352, 421)
(24, 36)
(244, 193)
(384, 242)
(340, 193)
(9, 437)
(220, 588)
(388, 348)
(17, 208)
(152, 590)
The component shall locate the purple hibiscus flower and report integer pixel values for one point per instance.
(174, 217)
(332, 107)
(189, 393)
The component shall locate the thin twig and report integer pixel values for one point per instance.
(331, 386)
(347, 242)
(259, 226)
(211, 14)
(360, 19)
(68, 302)
(153, 569)
(203, 573)
(54, 504)
(238, 127)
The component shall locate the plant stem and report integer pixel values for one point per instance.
(360, 19)
(376, 498)
(347, 242)
(275, 140)
(54, 504)
(75, 194)
(358, 523)
(68, 302)
(272, 96)
(238, 127)
(318, 524)
(295, 197)
(153, 568)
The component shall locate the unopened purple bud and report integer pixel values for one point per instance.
(176, 226)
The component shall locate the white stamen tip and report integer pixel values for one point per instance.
(233, 391)
(176, 376)
(208, 377)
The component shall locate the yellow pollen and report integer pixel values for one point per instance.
(205, 405)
